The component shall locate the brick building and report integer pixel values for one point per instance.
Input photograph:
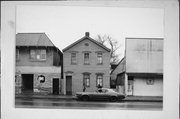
(86, 65)
(38, 64)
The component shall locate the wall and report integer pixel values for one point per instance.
(24, 58)
(93, 68)
(142, 89)
(144, 55)
(47, 86)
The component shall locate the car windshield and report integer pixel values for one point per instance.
(101, 90)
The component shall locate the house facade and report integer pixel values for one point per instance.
(140, 72)
(38, 64)
(86, 65)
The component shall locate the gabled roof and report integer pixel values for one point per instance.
(33, 39)
(84, 38)
(122, 60)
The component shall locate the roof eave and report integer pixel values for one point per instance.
(68, 47)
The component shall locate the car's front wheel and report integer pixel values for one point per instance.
(85, 98)
(113, 99)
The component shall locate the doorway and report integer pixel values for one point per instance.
(130, 85)
(68, 85)
(56, 86)
(27, 83)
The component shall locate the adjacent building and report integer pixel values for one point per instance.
(86, 66)
(38, 64)
(140, 72)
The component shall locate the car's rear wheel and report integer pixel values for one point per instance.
(113, 99)
(85, 98)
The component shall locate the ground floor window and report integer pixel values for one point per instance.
(99, 80)
(130, 84)
(86, 79)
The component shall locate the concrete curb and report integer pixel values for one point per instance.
(45, 97)
(137, 100)
(74, 98)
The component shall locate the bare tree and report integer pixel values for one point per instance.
(108, 41)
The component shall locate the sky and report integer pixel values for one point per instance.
(67, 24)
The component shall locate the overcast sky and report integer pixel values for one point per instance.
(66, 24)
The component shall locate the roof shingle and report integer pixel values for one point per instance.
(33, 39)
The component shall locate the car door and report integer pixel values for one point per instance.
(95, 95)
(102, 94)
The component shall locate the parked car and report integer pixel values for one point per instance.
(100, 94)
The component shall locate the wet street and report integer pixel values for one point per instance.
(73, 104)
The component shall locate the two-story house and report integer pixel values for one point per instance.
(86, 66)
(38, 64)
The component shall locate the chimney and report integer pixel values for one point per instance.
(87, 34)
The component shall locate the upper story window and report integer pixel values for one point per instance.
(86, 58)
(38, 54)
(17, 54)
(73, 58)
(99, 58)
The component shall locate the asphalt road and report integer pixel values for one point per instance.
(73, 104)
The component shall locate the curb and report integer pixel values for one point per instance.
(74, 98)
(60, 98)
(137, 100)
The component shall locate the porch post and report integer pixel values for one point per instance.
(126, 84)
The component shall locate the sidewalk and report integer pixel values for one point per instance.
(47, 96)
(66, 97)
(144, 98)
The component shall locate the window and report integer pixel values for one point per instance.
(99, 80)
(86, 58)
(99, 57)
(43, 55)
(17, 54)
(73, 58)
(86, 80)
(32, 54)
(130, 85)
(38, 54)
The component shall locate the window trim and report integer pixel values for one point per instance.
(43, 53)
(99, 74)
(99, 63)
(85, 79)
(88, 61)
(74, 63)
(38, 52)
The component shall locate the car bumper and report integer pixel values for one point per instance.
(120, 97)
(77, 96)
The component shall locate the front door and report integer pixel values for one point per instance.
(56, 86)
(68, 85)
(27, 83)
